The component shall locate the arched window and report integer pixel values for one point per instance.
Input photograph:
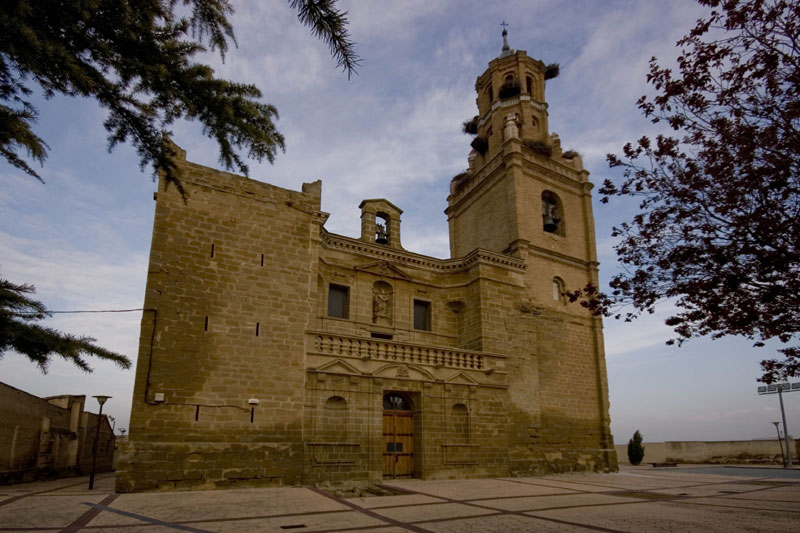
(382, 228)
(529, 84)
(510, 86)
(459, 424)
(333, 422)
(394, 401)
(336, 403)
(490, 93)
(552, 213)
(558, 290)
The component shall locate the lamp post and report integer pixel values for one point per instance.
(783, 457)
(101, 400)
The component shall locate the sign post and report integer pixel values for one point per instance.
(780, 388)
(780, 442)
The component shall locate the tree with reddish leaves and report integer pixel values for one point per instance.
(718, 227)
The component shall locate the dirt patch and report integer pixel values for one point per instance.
(643, 495)
(360, 491)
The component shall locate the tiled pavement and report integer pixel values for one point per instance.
(636, 499)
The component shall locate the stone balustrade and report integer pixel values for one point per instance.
(337, 345)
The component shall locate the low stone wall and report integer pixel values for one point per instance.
(43, 438)
(713, 452)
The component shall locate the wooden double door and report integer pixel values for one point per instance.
(398, 444)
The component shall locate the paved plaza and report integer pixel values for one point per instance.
(633, 500)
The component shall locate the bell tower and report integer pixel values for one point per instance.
(512, 86)
(522, 195)
(525, 197)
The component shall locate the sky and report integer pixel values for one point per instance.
(391, 131)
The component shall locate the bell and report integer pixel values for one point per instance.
(381, 237)
(550, 223)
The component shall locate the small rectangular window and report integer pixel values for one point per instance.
(422, 315)
(338, 301)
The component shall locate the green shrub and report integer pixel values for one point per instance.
(570, 154)
(635, 449)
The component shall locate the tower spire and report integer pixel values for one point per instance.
(506, 49)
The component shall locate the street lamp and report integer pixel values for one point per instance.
(780, 442)
(101, 400)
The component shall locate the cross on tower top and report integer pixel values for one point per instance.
(506, 49)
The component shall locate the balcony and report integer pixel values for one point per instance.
(379, 350)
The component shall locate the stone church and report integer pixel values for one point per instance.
(275, 352)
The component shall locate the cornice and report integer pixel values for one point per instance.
(540, 251)
(473, 182)
(402, 257)
(556, 171)
(537, 166)
(508, 102)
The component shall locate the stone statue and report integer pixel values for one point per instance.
(511, 130)
(381, 304)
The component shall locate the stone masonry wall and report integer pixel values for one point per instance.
(762, 451)
(229, 293)
(464, 424)
(45, 437)
(245, 378)
(474, 446)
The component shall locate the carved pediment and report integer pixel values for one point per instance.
(393, 370)
(527, 305)
(460, 378)
(384, 269)
(338, 366)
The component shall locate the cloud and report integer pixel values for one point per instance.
(390, 22)
(646, 332)
(593, 101)
(58, 269)
(68, 278)
(393, 131)
(434, 243)
(717, 416)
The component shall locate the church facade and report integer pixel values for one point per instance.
(275, 352)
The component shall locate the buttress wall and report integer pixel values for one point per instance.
(230, 290)
(527, 198)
